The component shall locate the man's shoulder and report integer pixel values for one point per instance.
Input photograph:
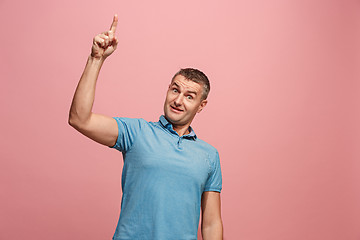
(132, 119)
(206, 145)
(136, 123)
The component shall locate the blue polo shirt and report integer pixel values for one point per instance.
(163, 178)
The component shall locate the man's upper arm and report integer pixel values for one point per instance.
(100, 128)
(210, 207)
(211, 223)
(214, 181)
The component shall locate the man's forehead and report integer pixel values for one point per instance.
(187, 84)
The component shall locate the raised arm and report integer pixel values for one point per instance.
(100, 128)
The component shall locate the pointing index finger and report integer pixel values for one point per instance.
(114, 23)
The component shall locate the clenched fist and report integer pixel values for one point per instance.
(105, 43)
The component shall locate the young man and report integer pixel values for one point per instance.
(169, 174)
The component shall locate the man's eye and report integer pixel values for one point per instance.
(175, 90)
(189, 97)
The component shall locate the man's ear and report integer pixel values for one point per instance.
(202, 105)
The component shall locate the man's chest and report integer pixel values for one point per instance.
(163, 155)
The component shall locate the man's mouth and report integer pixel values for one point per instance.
(176, 109)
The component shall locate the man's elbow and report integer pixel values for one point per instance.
(71, 121)
(75, 122)
(212, 230)
(214, 224)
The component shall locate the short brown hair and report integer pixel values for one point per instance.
(197, 76)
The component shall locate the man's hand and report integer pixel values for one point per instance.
(105, 43)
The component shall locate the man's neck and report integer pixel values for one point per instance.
(182, 130)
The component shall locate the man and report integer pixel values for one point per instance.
(168, 173)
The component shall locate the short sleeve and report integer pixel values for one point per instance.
(214, 181)
(128, 130)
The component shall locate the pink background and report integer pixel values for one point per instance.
(283, 111)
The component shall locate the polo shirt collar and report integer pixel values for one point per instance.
(169, 126)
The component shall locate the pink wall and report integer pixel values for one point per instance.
(283, 111)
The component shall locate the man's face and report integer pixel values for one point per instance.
(183, 101)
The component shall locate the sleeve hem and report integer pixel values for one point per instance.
(117, 139)
(212, 190)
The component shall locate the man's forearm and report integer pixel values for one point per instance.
(213, 231)
(84, 96)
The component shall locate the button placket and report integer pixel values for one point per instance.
(179, 142)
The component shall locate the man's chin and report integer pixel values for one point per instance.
(173, 119)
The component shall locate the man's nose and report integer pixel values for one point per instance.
(179, 100)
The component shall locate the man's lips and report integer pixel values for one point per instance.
(176, 109)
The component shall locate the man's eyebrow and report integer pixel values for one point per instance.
(191, 92)
(174, 83)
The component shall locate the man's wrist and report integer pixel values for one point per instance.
(96, 60)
